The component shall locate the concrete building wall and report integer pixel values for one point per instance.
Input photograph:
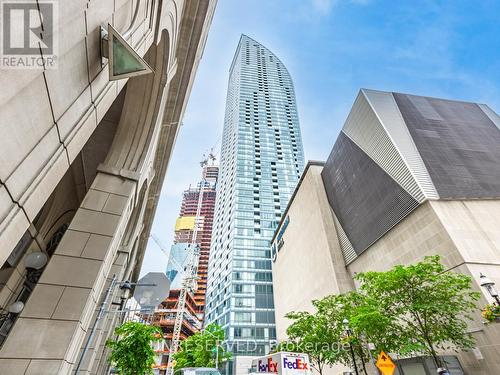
(47, 118)
(310, 249)
(418, 235)
(50, 114)
(465, 234)
(390, 150)
(309, 264)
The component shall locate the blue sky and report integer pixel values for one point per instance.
(332, 48)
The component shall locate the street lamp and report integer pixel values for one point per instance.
(490, 287)
(345, 322)
(16, 307)
(216, 351)
(34, 264)
(125, 288)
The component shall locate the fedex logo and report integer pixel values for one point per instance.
(270, 366)
(296, 364)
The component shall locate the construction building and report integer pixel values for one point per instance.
(185, 225)
(165, 318)
(193, 233)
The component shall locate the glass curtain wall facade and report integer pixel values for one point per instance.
(261, 162)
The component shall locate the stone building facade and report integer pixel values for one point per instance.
(408, 177)
(82, 162)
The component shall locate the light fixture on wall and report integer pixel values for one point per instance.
(490, 287)
(9, 315)
(16, 307)
(124, 60)
(34, 264)
(125, 288)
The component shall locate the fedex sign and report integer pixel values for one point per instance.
(282, 363)
(295, 363)
(268, 366)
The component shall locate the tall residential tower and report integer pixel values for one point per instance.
(261, 162)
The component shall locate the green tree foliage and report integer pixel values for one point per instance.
(200, 350)
(309, 334)
(131, 352)
(365, 324)
(428, 306)
(415, 309)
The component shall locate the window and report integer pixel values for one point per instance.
(243, 317)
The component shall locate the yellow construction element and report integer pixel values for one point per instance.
(185, 222)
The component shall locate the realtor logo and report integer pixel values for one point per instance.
(28, 34)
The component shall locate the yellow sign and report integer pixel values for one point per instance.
(185, 222)
(385, 364)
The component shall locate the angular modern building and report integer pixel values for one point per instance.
(82, 162)
(408, 176)
(261, 162)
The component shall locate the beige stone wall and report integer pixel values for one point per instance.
(419, 234)
(474, 227)
(309, 265)
(304, 269)
(466, 235)
(48, 115)
(107, 234)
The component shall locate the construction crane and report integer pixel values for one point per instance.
(189, 283)
(182, 271)
(206, 159)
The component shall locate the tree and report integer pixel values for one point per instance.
(427, 306)
(420, 308)
(323, 335)
(366, 324)
(309, 334)
(202, 349)
(131, 352)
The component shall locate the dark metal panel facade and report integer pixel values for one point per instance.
(366, 200)
(459, 145)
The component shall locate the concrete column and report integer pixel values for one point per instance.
(49, 333)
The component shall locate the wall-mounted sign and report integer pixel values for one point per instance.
(278, 242)
(279, 237)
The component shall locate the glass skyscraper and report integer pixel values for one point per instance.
(261, 162)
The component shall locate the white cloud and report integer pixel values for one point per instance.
(325, 6)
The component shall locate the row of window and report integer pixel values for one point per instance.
(254, 332)
(259, 317)
(252, 276)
